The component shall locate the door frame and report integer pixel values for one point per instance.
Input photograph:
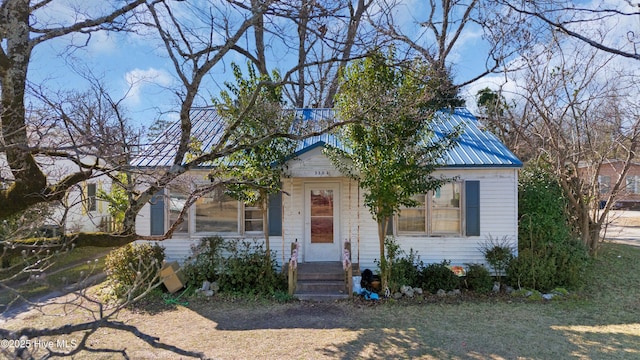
(321, 252)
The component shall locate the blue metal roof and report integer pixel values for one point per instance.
(475, 147)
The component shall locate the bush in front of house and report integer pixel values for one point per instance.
(206, 261)
(404, 269)
(559, 265)
(133, 268)
(549, 254)
(239, 267)
(498, 253)
(478, 279)
(250, 270)
(436, 276)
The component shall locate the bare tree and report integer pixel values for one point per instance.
(328, 34)
(578, 119)
(443, 26)
(585, 22)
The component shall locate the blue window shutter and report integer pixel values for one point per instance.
(472, 207)
(157, 213)
(390, 226)
(274, 214)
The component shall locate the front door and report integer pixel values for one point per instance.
(322, 222)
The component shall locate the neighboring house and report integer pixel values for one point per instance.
(321, 209)
(80, 209)
(628, 197)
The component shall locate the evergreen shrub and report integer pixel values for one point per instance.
(133, 268)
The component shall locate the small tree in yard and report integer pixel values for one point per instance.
(254, 174)
(393, 150)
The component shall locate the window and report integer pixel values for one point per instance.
(217, 212)
(437, 213)
(177, 201)
(253, 218)
(633, 184)
(445, 210)
(413, 220)
(605, 183)
(91, 200)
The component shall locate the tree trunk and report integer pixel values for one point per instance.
(265, 223)
(30, 182)
(383, 224)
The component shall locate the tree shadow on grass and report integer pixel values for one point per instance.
(449, 332)
(604, 341)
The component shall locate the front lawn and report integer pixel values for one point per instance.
(600, 322)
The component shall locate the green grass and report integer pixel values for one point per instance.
(66, 268)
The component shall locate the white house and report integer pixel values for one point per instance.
(80, 210)
(321, 209)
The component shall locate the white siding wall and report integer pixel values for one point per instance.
(498, 217)
(143, 221)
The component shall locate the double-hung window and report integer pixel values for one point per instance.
(438, 213)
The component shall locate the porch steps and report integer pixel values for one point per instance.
(321, 281)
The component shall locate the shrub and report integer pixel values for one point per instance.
(541, 209)
(559, 265)
(133, 268)
(240, 267)
(250, 270)
(479, 279)
(498, 254)
(438, 276)
(205, 263)
(403, 268)
(549, 255)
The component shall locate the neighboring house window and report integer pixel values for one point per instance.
(437, 213)
(217, 212)
(633, 184)
(177, 201)
(605, 183)
(91, 200)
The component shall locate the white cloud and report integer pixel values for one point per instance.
(137, 80)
